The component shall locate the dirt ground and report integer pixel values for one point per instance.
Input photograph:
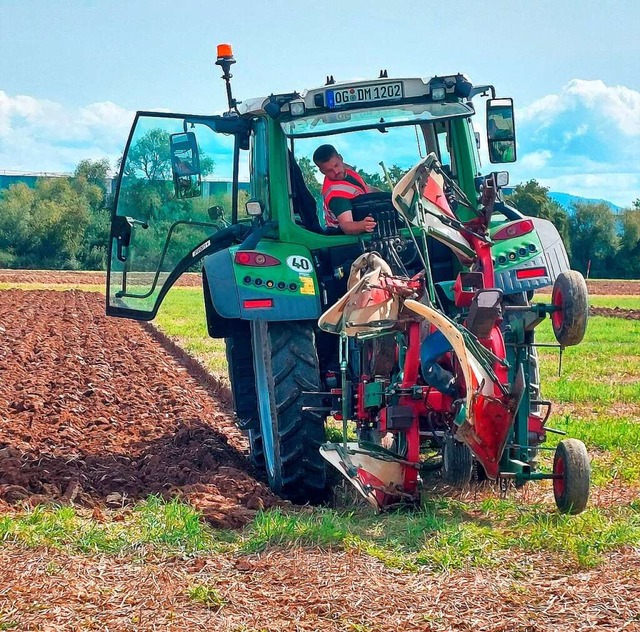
(95, 412)
(605, 286)
(77, 277)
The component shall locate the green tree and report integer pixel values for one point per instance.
(15, 205)
(396, 173)
(309, 175)
(60, 223)
(629, 252)
(379, 181)
(530, 198)
(94, 171)
(43, 227)
(150, 156)
(374, 180)
(90, 180)
(594, 239)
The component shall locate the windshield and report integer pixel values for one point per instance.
(380, 157)
(381, 117)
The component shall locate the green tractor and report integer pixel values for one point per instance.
(419, 335)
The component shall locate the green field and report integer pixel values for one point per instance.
(598, 396)
(181, 316)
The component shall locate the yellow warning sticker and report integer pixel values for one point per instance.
(306, 285)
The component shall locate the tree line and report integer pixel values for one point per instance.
(601, 243)
(63, 223)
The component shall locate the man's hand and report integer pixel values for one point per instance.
(368, 224)
(351, 227)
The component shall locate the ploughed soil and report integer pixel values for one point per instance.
(97, 413)
(94, 411)
(597, 286)
(69, 277)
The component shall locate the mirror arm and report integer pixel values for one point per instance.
(476, 90)
(234, 189)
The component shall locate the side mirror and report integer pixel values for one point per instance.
(216, 213)
(185, 165)
(501, 131)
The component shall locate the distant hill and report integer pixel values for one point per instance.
(566, 200)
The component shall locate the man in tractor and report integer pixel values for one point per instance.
(341, 184)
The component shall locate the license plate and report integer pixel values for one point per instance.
(337, 97)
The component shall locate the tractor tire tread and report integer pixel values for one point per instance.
(302, 473)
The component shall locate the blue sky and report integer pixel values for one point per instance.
(72, 74)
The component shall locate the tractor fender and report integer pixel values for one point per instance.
(531, 261)
(273, 282)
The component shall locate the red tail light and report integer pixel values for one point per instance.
(531, 273)
(257, 303)
(253, 258)
(514, 229)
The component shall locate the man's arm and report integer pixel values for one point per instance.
(351, 227)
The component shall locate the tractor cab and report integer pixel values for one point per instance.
(176, 167)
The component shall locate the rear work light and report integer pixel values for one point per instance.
(531, 273)
(514, 229)
(257, 303)
(253, 258)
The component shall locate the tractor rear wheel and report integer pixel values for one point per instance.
(457, 462)
(571, 466)
(285, 364)
(571, 297)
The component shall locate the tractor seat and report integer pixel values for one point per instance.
(304, 204)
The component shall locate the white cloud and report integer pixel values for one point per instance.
(581, 130)
(585, 141)
(618, 103)
(536, 159)
(543, 110)
(41, 135)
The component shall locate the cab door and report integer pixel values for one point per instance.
(181, 183)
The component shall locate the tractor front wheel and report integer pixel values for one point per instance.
(570, 297)
(573, 473)
(285, 364)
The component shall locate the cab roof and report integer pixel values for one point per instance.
(344, 95)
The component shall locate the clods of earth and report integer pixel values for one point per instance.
(95, 412)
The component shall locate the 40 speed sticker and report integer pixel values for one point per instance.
(299, 264)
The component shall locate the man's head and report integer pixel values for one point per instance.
(330, 163)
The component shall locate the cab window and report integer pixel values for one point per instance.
(259, 186)
(381, 157)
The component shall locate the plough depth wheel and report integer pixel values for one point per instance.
(571, 297)
(571, 465)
